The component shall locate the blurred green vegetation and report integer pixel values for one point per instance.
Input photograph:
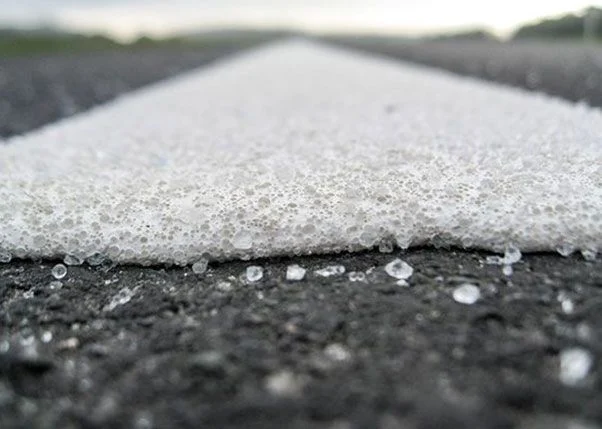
(587, 24)
(472, 34)
(17, 42)
(30, 42)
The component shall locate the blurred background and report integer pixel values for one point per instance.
(40, 25)
(61, 57)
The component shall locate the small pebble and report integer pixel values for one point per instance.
(224, 286)
(399, 269)
(494, 260)
(5, 257)
(565, 249)
(512, 255)
(55, 285)
(332, 270)
(295, 273)
(566, 303)
(254, 273)
(589, 255)
(122, 297)
(386, 246)
(357, 276)
(59, 271)
(466, 294)
(73, 260)
(209, 361)
(575, 364)
(144, 420)
(95, 259)
(337, 352)
(283, 383)
(585, 332)
(200, 266)
(68, 344)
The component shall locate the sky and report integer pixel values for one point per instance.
(129, 18)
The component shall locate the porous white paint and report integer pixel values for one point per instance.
(299, 148)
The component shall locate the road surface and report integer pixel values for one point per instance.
(123, 346)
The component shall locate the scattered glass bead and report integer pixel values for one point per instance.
(466, 294)
(72, 260)
(575, 364)
(122, 297)
(59, 271)
(337, 352)
(224, 286)
(357, 276)
(566, 303)
(295, 273)
(283, 383)
(386, 246)
(254, 273)
(55, 285)
(332, 270)
(95, 259)
(589, 255)
(200, 266)
(5, 257)
(46, 337)
(565, 249)
(399, 269)
(512, 255)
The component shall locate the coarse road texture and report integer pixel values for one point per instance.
(162, 347)
(564, 69)
(37, 90)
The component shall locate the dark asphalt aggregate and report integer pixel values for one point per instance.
(569, 70)
(124, 346)
(41, 89)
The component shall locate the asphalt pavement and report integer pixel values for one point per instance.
(569, 70)
(40, 89)
(125, 346)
